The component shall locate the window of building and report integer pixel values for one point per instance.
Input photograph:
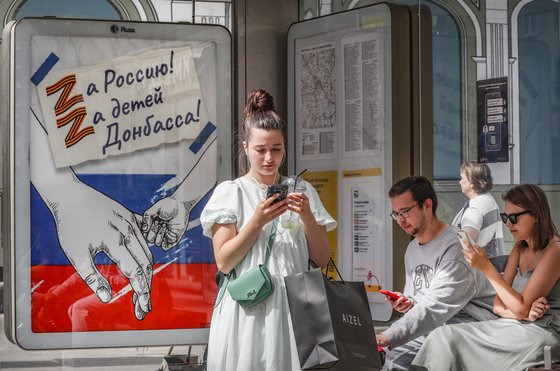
(207, 12)
(213, 13)
(539, 93)
(91, 9)
(446, 80)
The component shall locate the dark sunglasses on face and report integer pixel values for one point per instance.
(512, 217)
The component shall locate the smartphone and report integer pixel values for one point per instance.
(392, 295)
(465, 239)
(277, 188)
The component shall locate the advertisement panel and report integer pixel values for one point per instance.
(493, 129)
(114, 147)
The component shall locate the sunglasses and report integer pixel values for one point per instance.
(512, 217)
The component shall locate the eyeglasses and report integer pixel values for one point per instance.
(404, 213)
(512, 217)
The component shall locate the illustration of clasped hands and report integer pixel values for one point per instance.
(89, 222)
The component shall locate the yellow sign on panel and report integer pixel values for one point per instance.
(325, 182)
(359, 173)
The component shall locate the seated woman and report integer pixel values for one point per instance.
(527, 297)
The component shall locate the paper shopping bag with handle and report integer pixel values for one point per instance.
(332, 323)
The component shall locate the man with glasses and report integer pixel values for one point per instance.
(439, 283)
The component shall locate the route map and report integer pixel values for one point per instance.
(318, 87)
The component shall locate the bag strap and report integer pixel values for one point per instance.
(222, 288)
(311, 263)
(331, 262)
(268, 248)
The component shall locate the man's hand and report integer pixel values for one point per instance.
(382, 340)
(402, 304)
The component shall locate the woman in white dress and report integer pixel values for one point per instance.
(239, 219)
(527, 297)
(480, 217)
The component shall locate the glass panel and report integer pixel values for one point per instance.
(447, 94)
(308, 9)
(446, 80)
(212, 13)
(539, 93)
(181, 11)
(91, 9)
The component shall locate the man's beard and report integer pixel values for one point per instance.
(417, 230)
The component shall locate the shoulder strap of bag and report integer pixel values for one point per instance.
(232, 275)
(222, 289)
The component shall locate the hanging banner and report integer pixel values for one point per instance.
(492, 129)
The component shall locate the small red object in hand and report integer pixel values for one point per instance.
(381, 354)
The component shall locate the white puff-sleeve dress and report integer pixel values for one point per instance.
(261, 337)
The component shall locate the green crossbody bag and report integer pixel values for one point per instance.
(255, 285)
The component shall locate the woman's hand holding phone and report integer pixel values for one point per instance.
(474, 255)
(272, 206)
(466, 240)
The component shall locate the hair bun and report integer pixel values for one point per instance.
(260, 100)
(259, 113)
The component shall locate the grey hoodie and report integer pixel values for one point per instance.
(440, 282)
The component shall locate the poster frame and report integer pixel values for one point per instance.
(16, 168)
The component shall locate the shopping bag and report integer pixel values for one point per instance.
(332, 323)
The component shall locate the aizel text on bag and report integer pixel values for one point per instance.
(351, 319)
